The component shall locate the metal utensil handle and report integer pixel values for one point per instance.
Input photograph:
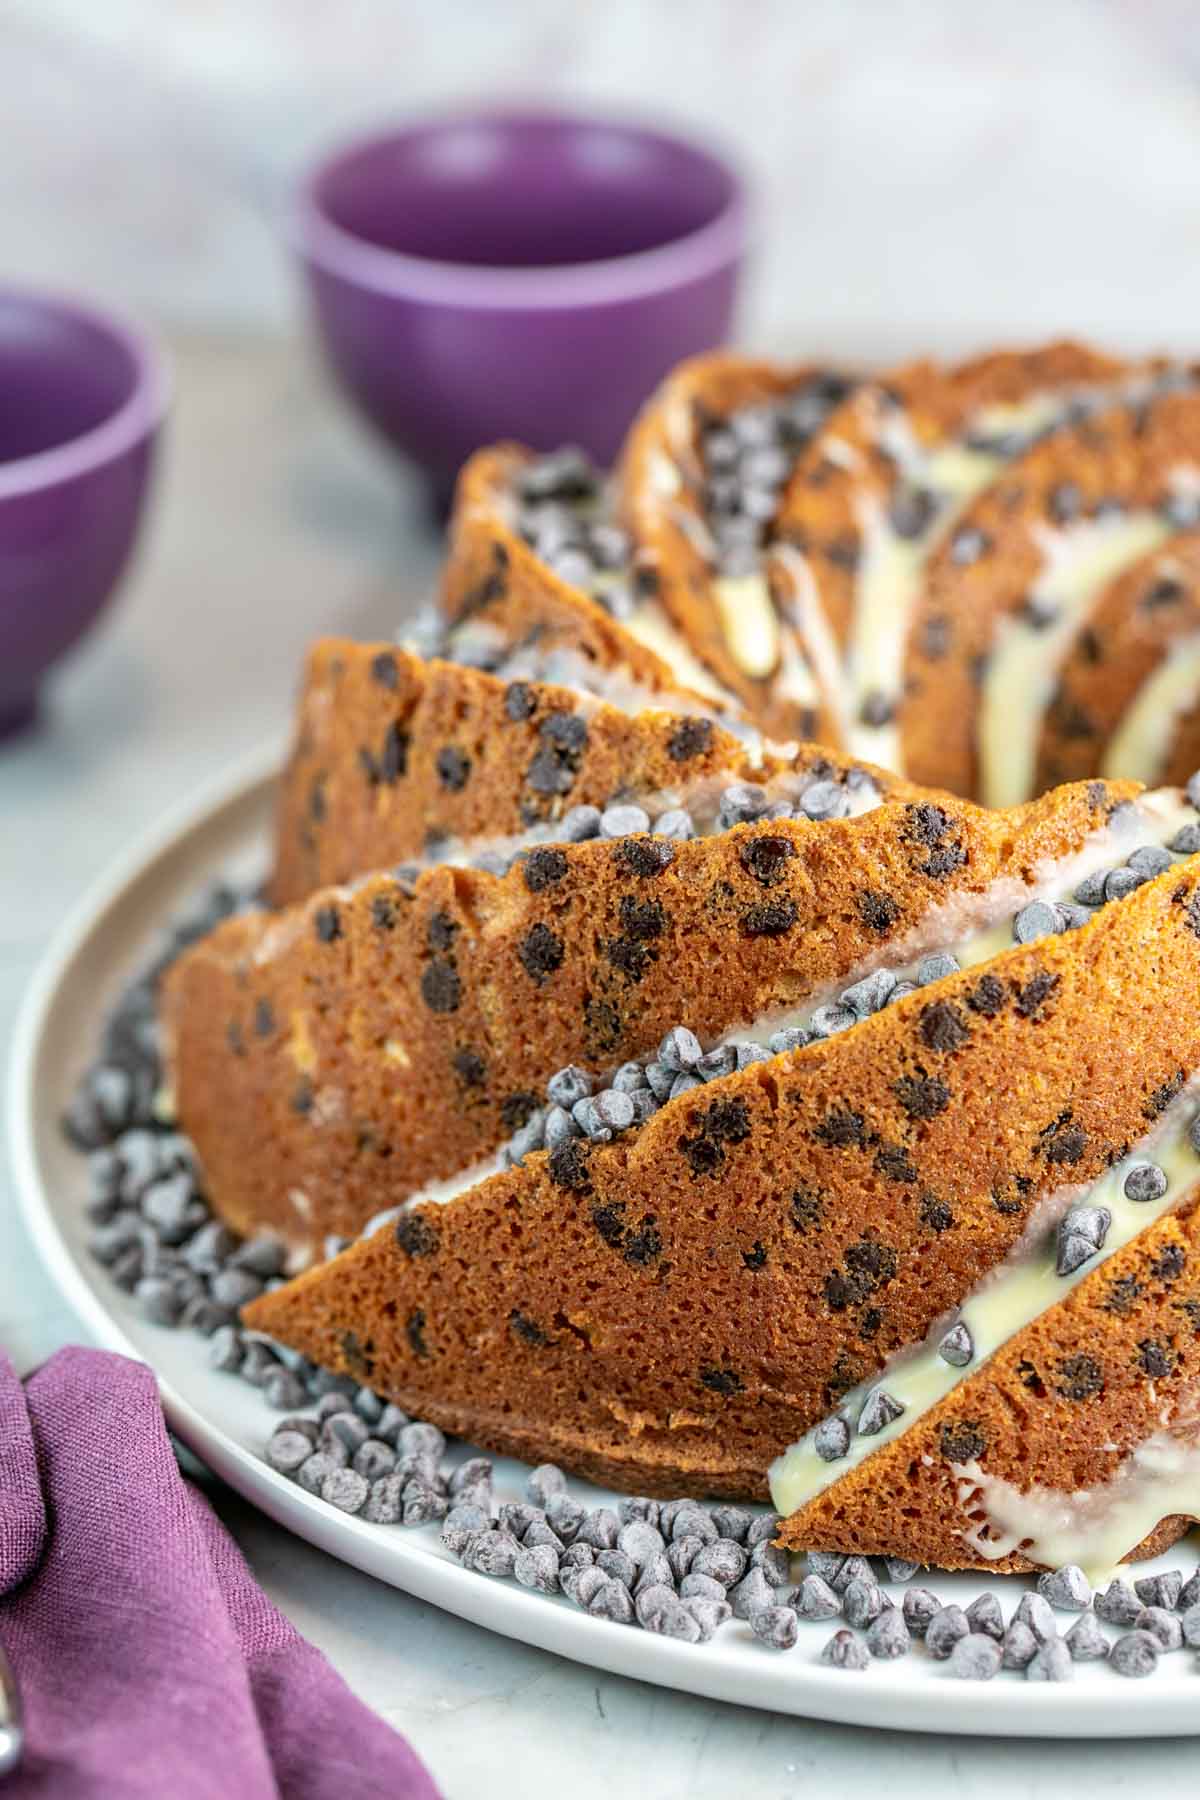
(12, 1729)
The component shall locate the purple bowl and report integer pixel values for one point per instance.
(525, 275)
(84, 395)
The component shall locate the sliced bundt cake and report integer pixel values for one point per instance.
(329, 1059)
(658, 577)
(673, 1295)
(396, 759)
(939, 568)
(1048, 1422)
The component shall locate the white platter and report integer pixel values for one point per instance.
(226, 1423)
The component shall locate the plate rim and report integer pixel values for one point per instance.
(731, 1671)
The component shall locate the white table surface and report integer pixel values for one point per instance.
(274, 521)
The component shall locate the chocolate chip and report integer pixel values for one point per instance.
(393, 760)
(721, 1381)
(774, 919)
(1032, 996)
(328, 924)
(519, 701)
(691, 737)
(879, 1409)
(541, 953)
(766, 858)
(962, 1441)
(542, 868)
(385, 671)
(441, 986)
(414, 1328)
(417, 1235)
(470, 1067)
(942, 1027)
(1082, 1378)
(646, 857)
(878, 912)
(922, 1096)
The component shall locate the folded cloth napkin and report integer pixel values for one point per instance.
(151, 1665)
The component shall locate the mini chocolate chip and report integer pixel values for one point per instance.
(766, 858)
(878, 912)
(527, 1331)
(962, 1441)
(922, 1096)
(264, 1018)
(691, 737)
(943, 1027)
(453, 767)
(806, 1208)
(414, 1327)
(542, 868)
(441, 930)
(416, 1235)
(644, 856)
(441, 986)
(328, 924)
(774, 919)
(470, 1067)
(393, 761)
(519, 702)
(540, 952)
(385, 671)
(1082, 1377)
(988, 996)
(721, 1381)
(568, 1166)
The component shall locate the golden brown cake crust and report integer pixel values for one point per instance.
(1060, 1405)
(673, 1309)
(663, 524)
(393, 755)
(845, 464)
(328, 1060)
(1125, 454)
(1130, 631)
(492, 574)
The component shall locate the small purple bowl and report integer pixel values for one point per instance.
(525, 275)
(84, 395)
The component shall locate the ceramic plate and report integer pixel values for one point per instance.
(226, 1423)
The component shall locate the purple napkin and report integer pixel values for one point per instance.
(150, 1662)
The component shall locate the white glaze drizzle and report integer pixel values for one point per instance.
(1079, 561)
(1008, 1299)
(1140, 745)
(1094, 1527)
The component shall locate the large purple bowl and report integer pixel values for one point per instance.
(524, 275)
(83, 396)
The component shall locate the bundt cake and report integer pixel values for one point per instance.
(330, 1058)
(977, 576)
(726, 1023)
(672, 1301)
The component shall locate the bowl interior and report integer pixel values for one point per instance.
(523, 191)
(61, 373)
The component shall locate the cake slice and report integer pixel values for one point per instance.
(397, 759)
(1076, 1440)
(669, 1305)
(658, 578)
(1127, 694)
(329, 1058)
(1007, 594)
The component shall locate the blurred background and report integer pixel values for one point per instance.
(929, 171)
